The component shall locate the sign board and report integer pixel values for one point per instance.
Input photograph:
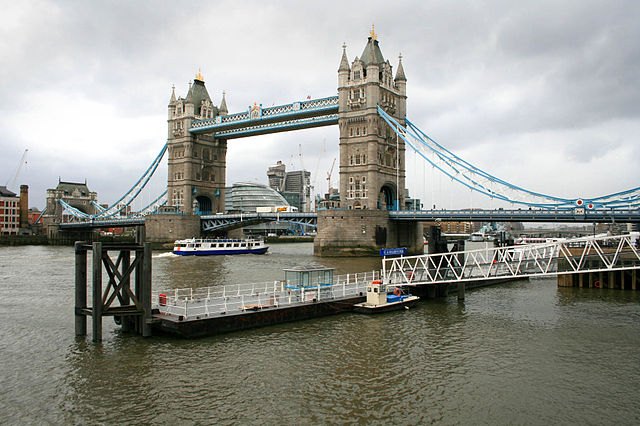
(393, 252)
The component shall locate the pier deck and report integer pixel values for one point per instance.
(213, 310)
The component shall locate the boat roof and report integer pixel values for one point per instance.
(216, 240)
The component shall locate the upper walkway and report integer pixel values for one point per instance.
(259, 121)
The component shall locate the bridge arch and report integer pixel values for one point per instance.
(387, 197)
(203, 205)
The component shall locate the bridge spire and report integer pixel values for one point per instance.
(372, 33)
(199, 76)
(223, 105)
(344, 62)
(400, 72)
(172, 101)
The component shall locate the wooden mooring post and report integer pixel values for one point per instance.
(133, 310)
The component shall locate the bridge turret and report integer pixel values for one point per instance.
(401, 84)
(223, 106)
(344, 70)
(172, 102)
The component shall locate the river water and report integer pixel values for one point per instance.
(525, 352)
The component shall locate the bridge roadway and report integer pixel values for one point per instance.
(222, 222)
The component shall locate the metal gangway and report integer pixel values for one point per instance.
(570, 256)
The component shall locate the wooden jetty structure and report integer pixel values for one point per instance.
(133, 311)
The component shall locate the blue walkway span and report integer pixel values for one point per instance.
(280, 118)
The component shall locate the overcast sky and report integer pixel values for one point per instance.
(541, 94)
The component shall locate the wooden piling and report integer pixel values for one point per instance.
(145, 295)
(461, 289)
(581, 280)
(612, 280)
(141, 234)
(601, 279)
(81, 289)
(126, 280)
(97, 292)
(138, 287)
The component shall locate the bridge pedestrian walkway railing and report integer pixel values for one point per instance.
(203, 302)
(587, 254)
(280, 111)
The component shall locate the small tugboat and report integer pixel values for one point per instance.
(379, 301)
(207, 247)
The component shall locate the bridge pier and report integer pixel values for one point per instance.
(166, 228)
(364, 233)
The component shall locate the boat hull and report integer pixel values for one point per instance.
(406, 302)
(261, 250)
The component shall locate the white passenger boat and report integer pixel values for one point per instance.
(207, 247)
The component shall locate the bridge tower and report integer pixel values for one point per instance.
(372, 161)
(78, 196)
(197, 163)
(372, 169)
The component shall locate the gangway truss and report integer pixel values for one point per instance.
(571, 256)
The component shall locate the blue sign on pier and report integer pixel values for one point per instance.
(393, 252)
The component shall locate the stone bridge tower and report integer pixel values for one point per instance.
(372, 161)
(372, 169)
(197, 163)
(78, 196)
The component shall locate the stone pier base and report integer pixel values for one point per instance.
(364, 233)
(166, 228)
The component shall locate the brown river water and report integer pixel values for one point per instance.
(525, 352)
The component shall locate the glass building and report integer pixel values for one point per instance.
(247, 197)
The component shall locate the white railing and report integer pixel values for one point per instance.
(586, 254)
(236, 298)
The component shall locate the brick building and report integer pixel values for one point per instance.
(9, 212)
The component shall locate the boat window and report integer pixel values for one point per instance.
(189, 245)
(375, 289)
(236, 244)
(368, 289)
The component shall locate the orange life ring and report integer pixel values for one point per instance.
(596, 284)
(397, 291)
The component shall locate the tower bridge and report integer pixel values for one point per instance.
(370, 111)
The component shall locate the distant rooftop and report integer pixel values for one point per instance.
(4, 192)
(70, 187)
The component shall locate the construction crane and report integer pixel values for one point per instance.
(301, 163)
(15, 177)
(329, 175)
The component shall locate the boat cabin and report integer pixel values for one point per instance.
(376, 293)
(309, 275)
